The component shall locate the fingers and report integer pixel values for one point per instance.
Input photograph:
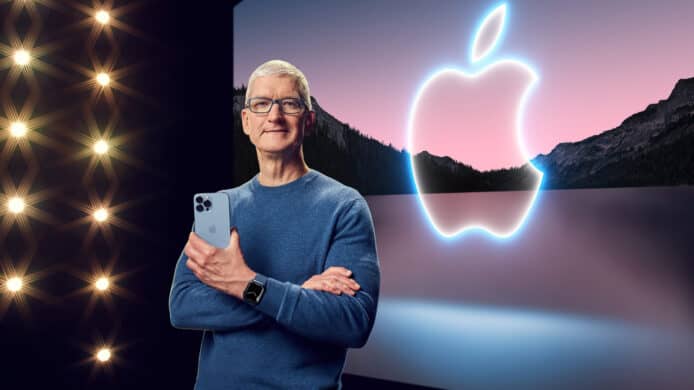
(195, 268)
(201, 259)
(203, 274)
(338, 271)
(342, 280)
(192, 253)
(233, 238)
(339, 286)
(343, 275)
(200, 245)
(327, 286)
(334, 284)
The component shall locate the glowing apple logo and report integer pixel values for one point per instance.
(475, 118)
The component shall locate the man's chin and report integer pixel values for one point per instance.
(285, 149)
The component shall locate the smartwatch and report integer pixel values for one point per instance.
(255, 290)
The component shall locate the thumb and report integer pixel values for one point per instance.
(234, 238)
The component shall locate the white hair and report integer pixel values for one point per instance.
(280, 67)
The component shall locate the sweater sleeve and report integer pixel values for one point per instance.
(195, 305)
(338, 319)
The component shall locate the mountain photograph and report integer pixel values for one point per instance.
(650, 148)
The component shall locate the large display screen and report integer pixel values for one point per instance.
(529, 171)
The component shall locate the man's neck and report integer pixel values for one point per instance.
(276, 171)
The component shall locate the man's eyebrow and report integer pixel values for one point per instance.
(284, 97)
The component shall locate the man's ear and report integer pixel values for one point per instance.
(244, 122)
(310, 124)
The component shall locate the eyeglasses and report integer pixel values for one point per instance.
(261, 105)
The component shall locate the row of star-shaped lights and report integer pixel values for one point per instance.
(19, 129)
(101, 147)
(16, 205)
(14, 284)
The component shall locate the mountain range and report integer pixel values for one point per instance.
(650, 148)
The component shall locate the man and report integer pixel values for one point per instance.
(298, 283)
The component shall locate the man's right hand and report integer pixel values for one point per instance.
(335, 280)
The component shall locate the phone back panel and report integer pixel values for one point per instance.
(212, 218)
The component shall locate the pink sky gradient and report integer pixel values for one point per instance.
(472, 117)
(598, 63)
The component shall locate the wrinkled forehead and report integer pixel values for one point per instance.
(274, 86)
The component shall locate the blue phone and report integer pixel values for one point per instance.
(212, 218)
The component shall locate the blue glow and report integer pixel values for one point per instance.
(518, 133)
(499, 9)
(453, 345)
(519, 140)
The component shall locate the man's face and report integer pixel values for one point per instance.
(276, 132)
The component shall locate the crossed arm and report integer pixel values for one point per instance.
(325, 308)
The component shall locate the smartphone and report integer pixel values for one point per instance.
(212, 218)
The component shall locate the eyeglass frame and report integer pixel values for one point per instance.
(279, 103)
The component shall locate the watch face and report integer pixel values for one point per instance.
(253, 292)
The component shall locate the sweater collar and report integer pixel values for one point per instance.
(284, 188)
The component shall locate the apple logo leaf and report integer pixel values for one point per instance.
(488, 33)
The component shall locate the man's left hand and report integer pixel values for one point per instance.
(222, 268)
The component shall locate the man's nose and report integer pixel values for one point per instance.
(275, 113)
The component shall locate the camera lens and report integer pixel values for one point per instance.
(198, 199)
(199, 208)
(208, 203)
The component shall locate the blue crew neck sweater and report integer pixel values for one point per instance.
(295, 338)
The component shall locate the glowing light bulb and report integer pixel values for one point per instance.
(18, 129)
(103, 355)
(101, 147)
(103, 79)
(102, 17)
(21, 57)
(101, 215)
(102, 283)
(14, 284)
(16, 205)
